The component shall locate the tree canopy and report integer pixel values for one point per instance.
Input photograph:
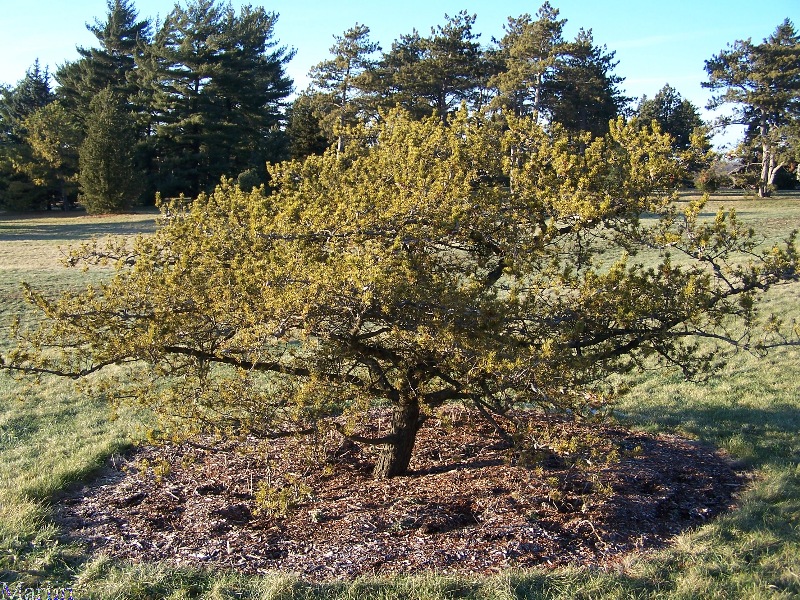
(403, 272)
(761, 84)
(674, 114)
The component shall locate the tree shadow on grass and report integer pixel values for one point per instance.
(70, 227)
(757, 436)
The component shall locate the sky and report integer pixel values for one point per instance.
(655, 42)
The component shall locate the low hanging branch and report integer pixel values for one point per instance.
(402, 272)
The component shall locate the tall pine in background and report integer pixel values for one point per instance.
(121, 38)
(219, 89)
(108, 181)
(21, 184)
(528, 54)
(340, 81)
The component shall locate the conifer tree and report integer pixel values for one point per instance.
(219, 87)
(108, 180)
(304, 129)
(675, 115)
(24, 181)
(761, 84)
(583, 94)
(340, 81)
(528, 54)
(404, 273)
(121, 38)
(434, 74)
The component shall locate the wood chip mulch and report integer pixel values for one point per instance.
(471, 505)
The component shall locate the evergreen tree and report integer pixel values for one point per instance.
(528, 54)
(121, 37)
(452, 70)
(30, 94)
(583, 93)
(761, 83)
(304, 129)
(54, 138)
(434, 75)
(108, 180)
(675, 115)
(23, 182)
(340, 81)
(219, 89)
(344, 292)
(394, 81)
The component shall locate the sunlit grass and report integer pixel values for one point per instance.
(50, 436)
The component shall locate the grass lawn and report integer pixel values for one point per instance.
(51, 435)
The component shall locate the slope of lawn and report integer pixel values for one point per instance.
(51, 435)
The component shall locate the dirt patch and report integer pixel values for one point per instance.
(470, 506)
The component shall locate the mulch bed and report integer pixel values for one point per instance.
(470, 505)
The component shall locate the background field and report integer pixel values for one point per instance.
(51, 435)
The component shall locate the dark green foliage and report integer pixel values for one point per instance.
(435, 74)
(394, 81)
(583, 93)
(303, 128)
(528, 54)
(341, 81)
(18, 103)
(568, 83)
(108, 180)
(219, 84)
(20, 188)
(761, 85)
(675, 115)
(122, 38)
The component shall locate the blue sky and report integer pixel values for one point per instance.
(655, 42)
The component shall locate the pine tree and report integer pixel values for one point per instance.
(394, 82)
(528, 54)
(30, 94)
(453, 67)
(761, 83)
(304, 129)
(339, 82)
(108, 180)
(219, 87)
(583, 93)
(675, 115)
(434, 74)
(121, 38)
(24, 182)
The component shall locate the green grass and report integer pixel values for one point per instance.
(51, 435)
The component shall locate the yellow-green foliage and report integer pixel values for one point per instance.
(274, 500)
(484, 261)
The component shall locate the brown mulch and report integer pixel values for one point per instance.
(470, 505)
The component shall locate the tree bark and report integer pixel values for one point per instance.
(394, 457)
(763, 187)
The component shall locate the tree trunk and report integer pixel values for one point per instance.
(394, 457)
(763, 187)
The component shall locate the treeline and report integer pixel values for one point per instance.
(172, 106)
